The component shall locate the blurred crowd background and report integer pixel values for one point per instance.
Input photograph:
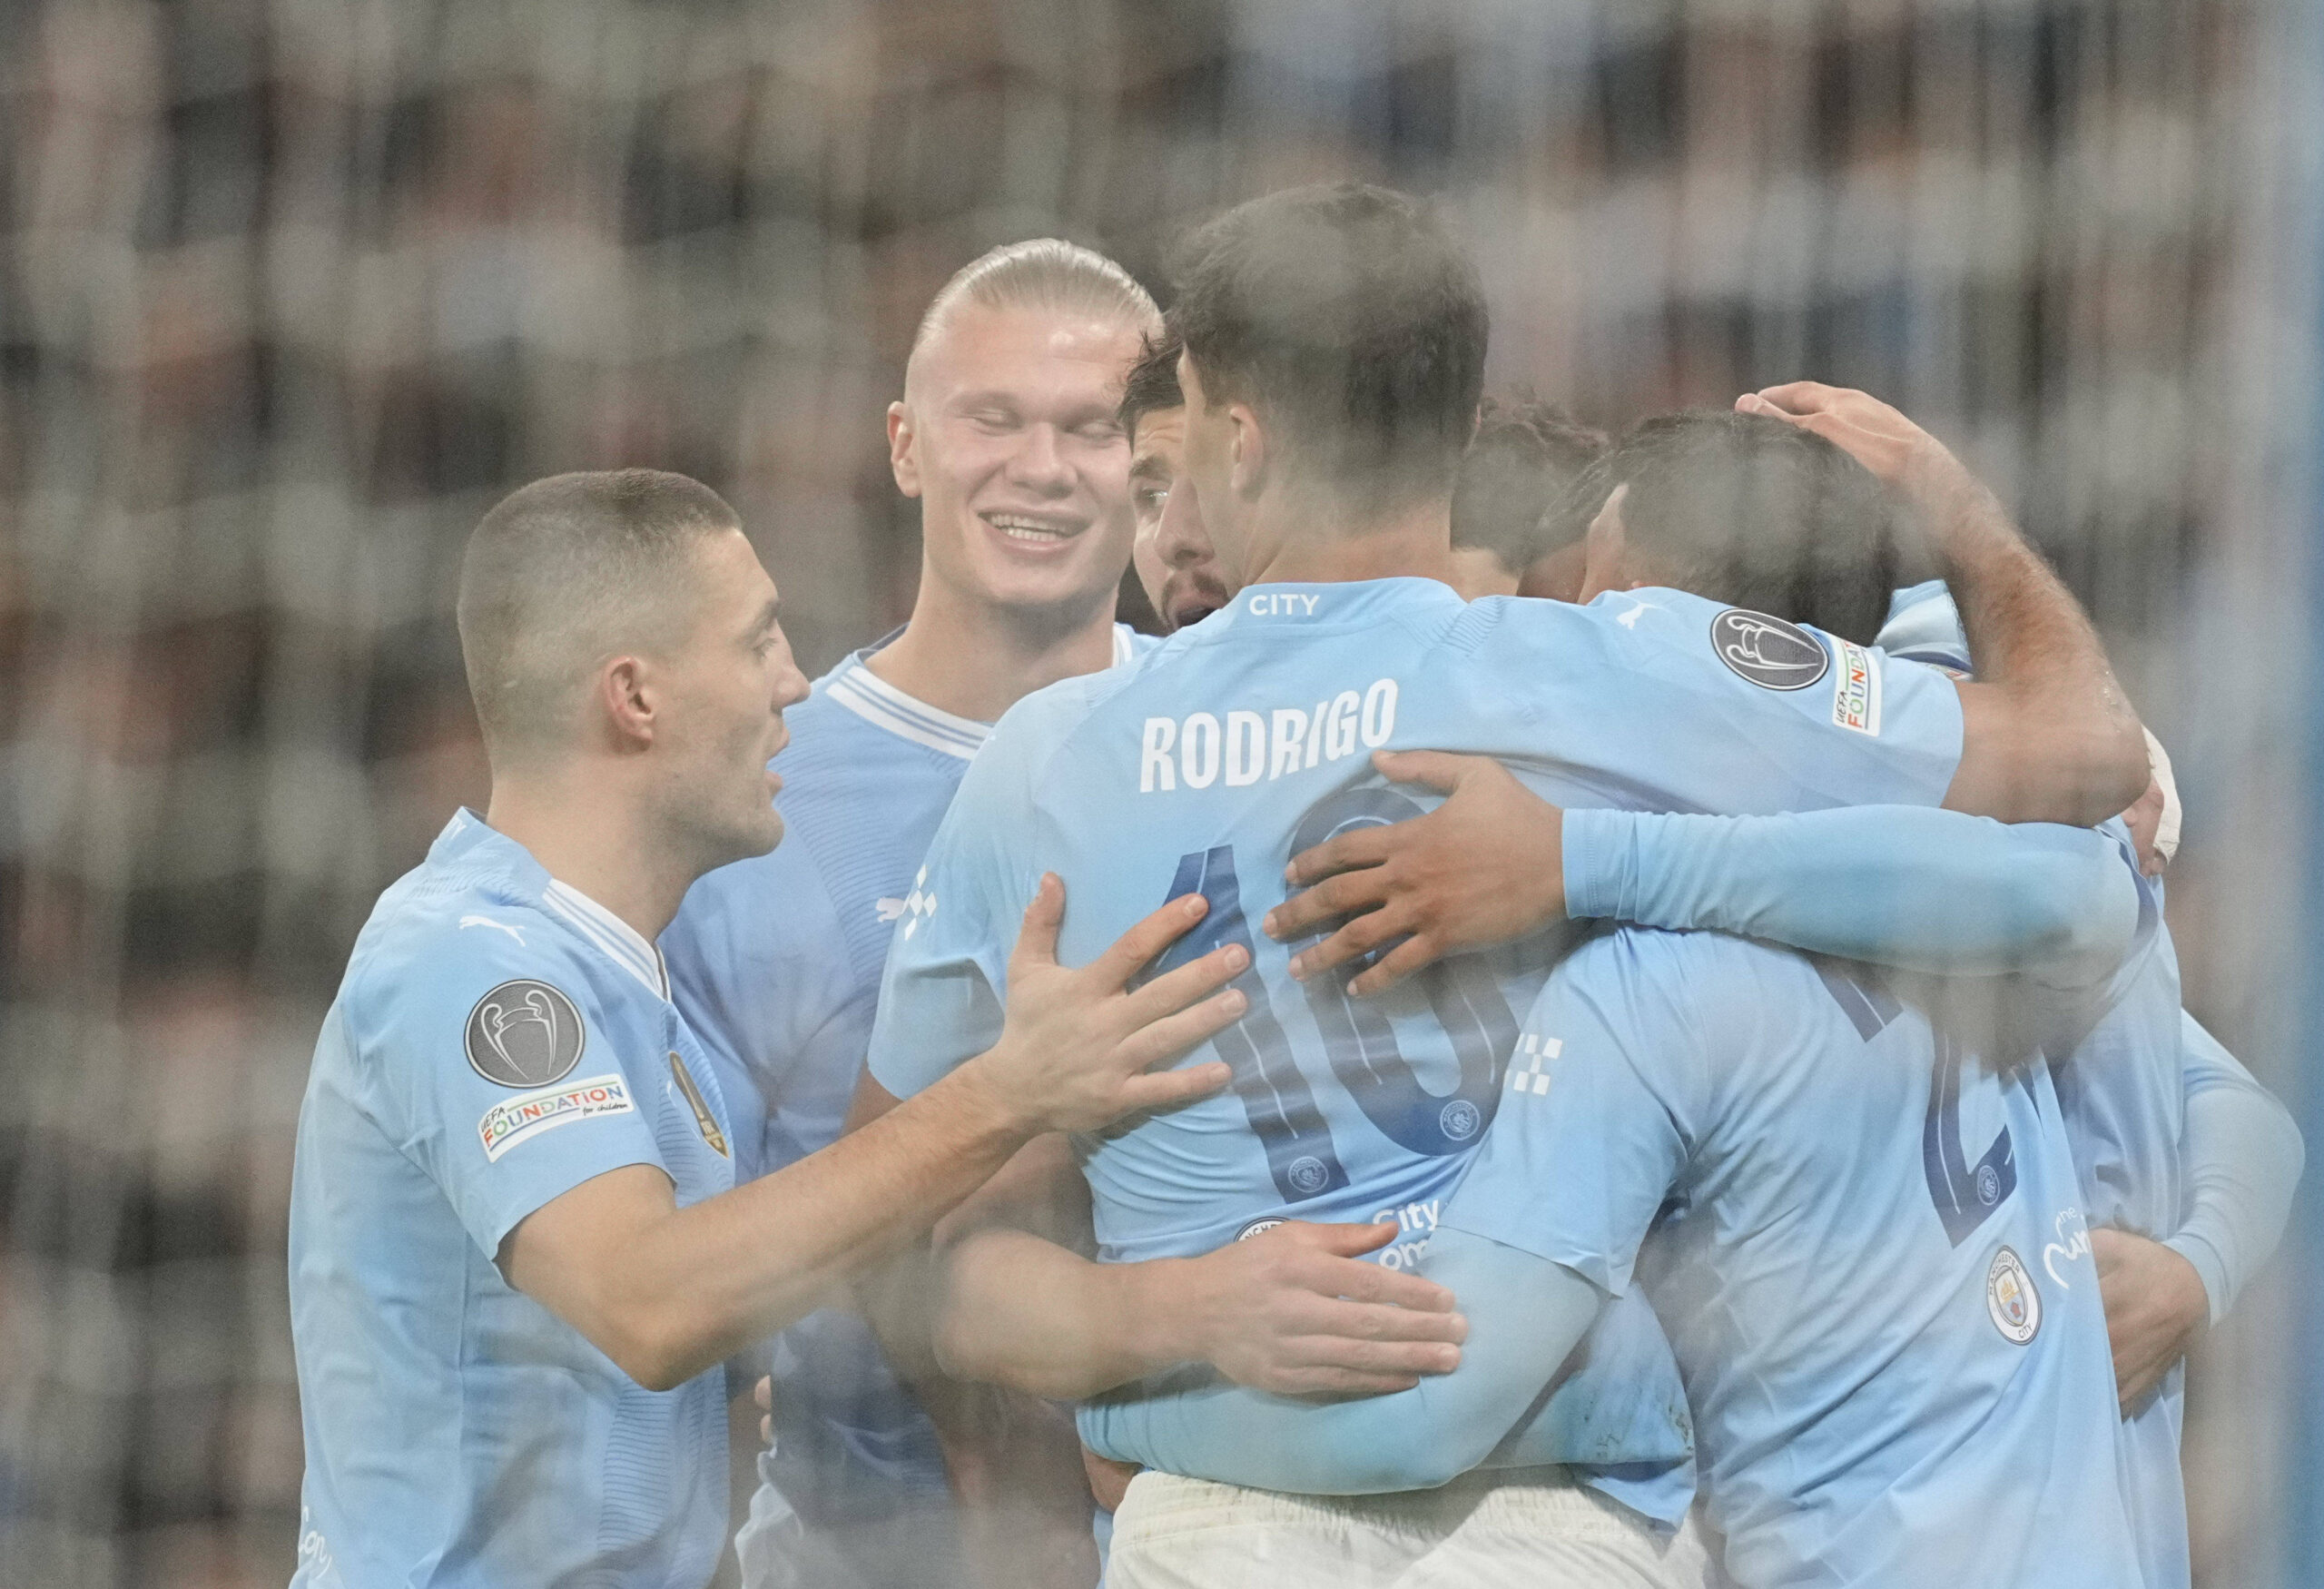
(290, 291)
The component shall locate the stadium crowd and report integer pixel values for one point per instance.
(1596, 1010)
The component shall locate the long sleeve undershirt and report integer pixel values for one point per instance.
(1526, 1315)
(1926, 890)
(2242, 1158)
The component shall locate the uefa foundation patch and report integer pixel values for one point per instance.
(1856, 699)
(505, 1125)
(2012, 1300)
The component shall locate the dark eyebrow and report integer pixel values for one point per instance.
(1148, 466)
(765, 621)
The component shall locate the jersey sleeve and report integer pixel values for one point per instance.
(2243, 1156)
(1698, 707)
(942, 993)
(1938, 892)
(1606, 1097)
(496, 1068)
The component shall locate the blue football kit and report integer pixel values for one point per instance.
(775, 963)
(1203, 765)
(2125, 1094)
(1867, 1250)
(498, 1039)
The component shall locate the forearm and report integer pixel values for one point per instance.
(1025, 1313)
(1526, 1315)
(709, 1279)
(2065, 744)
(2242, 1157)
(1929, 891)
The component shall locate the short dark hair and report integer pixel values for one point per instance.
(1347, 316)
(1152, 386)
(568, 570)
(1527, 453)
(1755, 512)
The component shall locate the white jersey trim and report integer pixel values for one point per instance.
(621, 943)
(884, 706)
(854, 686)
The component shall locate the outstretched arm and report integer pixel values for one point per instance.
(1932, 891)
(1929, 891)
(2047, 734)
(1296, 1311)
(1526, 1316)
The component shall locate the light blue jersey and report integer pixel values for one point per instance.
(498, 1039)
(1236, 744)
(2121, 1092)
(775, 963)
(1867, 1252)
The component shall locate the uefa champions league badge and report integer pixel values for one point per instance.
(2012, 1300)
(1257, 1228)
(524, 1033)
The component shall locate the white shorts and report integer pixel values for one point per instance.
(1537, 1528)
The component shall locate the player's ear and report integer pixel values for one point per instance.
(904, 454)
(1606, 548)
(626, 697)
(1246, 452)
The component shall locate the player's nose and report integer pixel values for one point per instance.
(1039, 462)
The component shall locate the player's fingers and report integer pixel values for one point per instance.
(1166, 995)
(1414, 953)
(1312, 909)
(1037, 938)
(1360, 936)
(1336, 1346)
(1333, 1318)
(1362, 1282)
(1173, 1035)
(1129, 954)
(1333, 1384)
(1802, 397)
(1168, 1089)
(1338, 1240)
(1440, 770)
(1359, 846)
(762, 1392)
(767, 1430)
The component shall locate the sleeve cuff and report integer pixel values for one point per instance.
(2210, 1268)
(1597, 849)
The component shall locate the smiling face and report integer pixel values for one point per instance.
(1174, 559)
(725, 689)
(1006, 434)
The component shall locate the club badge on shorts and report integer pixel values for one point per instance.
(2012, 1300)
(1770, 653)
(524, 1033)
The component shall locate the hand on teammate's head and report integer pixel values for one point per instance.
(1078, 1046)
(1485, 867)
(1899, 453)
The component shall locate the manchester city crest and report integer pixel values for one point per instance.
(2011, 1298)
(524, 1033)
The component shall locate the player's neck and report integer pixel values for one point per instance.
(976, 660)
(588, 833)
(1322, 540)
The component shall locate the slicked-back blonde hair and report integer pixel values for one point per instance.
(1043, 273)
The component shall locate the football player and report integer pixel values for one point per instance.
(1334, 343)
(517, 1257)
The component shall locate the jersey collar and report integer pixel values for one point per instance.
(469, 839)
(855, 687)
(1298, 603)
